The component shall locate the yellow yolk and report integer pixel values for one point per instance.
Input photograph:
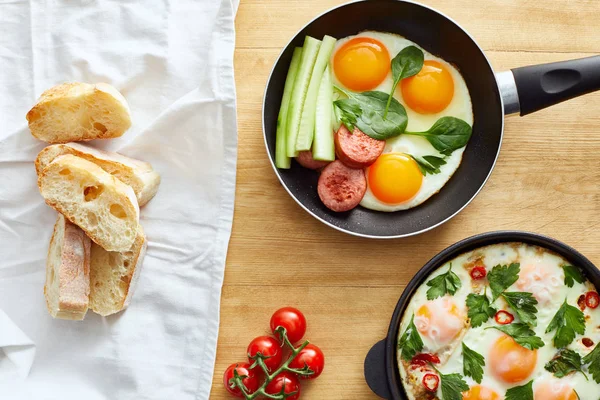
(554, 391)
(431, 90)
(440, 320)
(479, 392)
(361, 63)
(394, 178)
(511, 362)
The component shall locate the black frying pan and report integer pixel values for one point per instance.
(523, 90)
(381, 368)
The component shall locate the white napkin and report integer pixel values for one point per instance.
(173, 61)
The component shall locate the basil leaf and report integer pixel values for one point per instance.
(524, 392)
(442, 284)
(408, 62)
(523, 304)
(568, 321)
(429, 164)
(410, 342)
(572, 274)
(593, 359)
(501, 277)
(473, 363)
(522, 334)
(371, 119)
(447, 134)
(565, 362)
(480, 309)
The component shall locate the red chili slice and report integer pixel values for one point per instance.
(592, 299)
(587, 342)
(581, 302)
(504, 317)
(424, 359)
(431, 382)
(478, 272)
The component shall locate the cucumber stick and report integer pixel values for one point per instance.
(307, 122)
(281, 158)
(323, 147)
(307, 62)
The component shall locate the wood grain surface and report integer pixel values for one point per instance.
(546, 180)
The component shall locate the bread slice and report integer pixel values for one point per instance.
(138, 174)
(114, 276)
(100, 204)
(79, 111)
(67, 285)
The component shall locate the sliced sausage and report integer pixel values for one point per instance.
(340, 187)
(357, 149)
(305, 158)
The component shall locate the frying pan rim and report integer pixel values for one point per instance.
(462, 246)
(338, 228)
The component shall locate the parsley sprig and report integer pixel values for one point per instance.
(524, 392)
(523, 304)
(442, 284)
(501, 277)
(593, 359)
(565, 362)
(479, 309)
(453, 385)
(568, 321)
(522, 334)
(473, 363)
(572, 274)
(410, 342)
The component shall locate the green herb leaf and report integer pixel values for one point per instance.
(501, 277)
(473, 363)
(593, 359)
(565, 362)
(524, 392)
(524, 305)
(447, 134)
(408, 62)
(410, 342)
(429, 164)
(447, 282)
(572, 274)
(522, 334)
(370, 120)
(567, 321)
(480, 309)
(453, 385)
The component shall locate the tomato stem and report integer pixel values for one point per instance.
(259, 361)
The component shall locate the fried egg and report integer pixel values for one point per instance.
(394, 181)
(507, 364)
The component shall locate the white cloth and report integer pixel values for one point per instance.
(173, 61)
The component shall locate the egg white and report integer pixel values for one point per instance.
(481, 339)
(459, 107)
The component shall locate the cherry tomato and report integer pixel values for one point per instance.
(424, 359)
(268, 347)
(431, 382)
(251, 381)
(312, 356)
(292, 320)
(286, 381)
(504, 317)
(592, 299)
(478, 272)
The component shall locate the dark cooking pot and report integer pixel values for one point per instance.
(381, 369)
(523, 90)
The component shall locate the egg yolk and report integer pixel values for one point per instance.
(394, 178)
(431, 90)
(554, 391)
(440, 320)
(361, 63)
(541, 280)
(511, 362)
(479, 392)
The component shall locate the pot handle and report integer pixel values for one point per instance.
(375, 373)
(529, 89)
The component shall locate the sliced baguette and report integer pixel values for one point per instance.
(114, 276)
(67, 285)
(79, 111)
(100, 204)
(138, 174)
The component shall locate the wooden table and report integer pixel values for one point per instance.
(545, 181)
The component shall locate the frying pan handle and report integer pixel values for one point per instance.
(375, 373)
(540, 86)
